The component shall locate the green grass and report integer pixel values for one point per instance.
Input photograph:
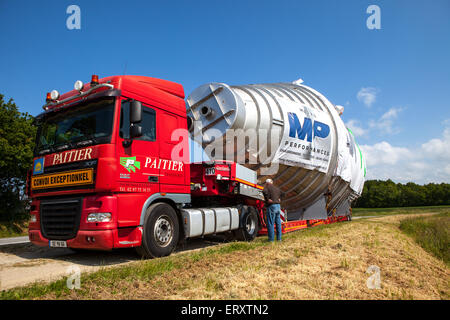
(147, 269)
(431, 233)
(13, 229)
(107, 277)
(360, 212)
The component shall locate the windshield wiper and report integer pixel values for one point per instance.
(48, 149)
(53, 149)
(65, 146)
(91, 139)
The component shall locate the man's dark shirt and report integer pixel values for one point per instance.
(273, 193)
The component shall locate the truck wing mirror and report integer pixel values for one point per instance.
(135, 112)
(135, 131)
(135, 118)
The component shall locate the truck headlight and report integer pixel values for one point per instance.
(78, 85)
(33, 218)
(99, 217)
(54, 94)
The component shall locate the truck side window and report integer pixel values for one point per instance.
(148, 122)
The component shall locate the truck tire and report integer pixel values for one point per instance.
(161, 231)
(249, 225)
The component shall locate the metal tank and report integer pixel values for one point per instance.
(288, 132)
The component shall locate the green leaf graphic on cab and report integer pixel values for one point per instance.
(130, 163)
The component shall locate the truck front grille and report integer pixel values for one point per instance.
(60, 219)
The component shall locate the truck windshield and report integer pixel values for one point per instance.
(77, 126)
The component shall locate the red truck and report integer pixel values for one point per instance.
(111, 170)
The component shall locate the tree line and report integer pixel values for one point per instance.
(386, 194)
(17, 134)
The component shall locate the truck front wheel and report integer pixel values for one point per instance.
(161, 231)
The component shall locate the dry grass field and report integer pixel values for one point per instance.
(324, 262)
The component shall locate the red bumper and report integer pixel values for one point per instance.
(95, 236)
(96, 240)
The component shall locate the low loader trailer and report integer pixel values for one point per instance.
(111, 170)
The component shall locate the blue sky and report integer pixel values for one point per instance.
(402, 72)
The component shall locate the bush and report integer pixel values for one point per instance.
(432, 233)
(17, 135)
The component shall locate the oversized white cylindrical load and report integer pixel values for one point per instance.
(286, 131)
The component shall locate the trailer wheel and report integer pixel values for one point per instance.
(249, 225)
(161, 231)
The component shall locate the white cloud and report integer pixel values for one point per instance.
(391, 114)
(429, 162)
(439, 148)
(356, 128)
(367, 95)
(385, 124)
(447, 169)
(383, 153)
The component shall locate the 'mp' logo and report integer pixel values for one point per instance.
(296, 130)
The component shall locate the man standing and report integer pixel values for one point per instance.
(273, 197)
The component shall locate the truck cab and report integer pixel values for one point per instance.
(90, 163)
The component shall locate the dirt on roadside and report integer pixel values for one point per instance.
(24, 264)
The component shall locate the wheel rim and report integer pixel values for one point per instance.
(250, 225)
(163, 231)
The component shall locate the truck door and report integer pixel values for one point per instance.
(174, 153)
(138, 170)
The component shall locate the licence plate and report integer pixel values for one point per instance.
(210, 171)
(57, 244)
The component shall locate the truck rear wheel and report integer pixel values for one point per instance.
(249, 225)
(161, 231)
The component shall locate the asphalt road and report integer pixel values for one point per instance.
(12, 241)
(363, 217)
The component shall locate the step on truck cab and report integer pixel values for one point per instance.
(111, 170)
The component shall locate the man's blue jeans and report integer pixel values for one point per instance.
(273, 218)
